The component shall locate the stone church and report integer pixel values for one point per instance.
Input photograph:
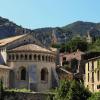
(26, 63)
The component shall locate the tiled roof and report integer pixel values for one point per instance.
(5, 67)
(10, 39)
(31, 47)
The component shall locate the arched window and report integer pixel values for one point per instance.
(35, 57)
(25, 57)
(98, 75)
(23, 74)
(21, 56)
(42, 58)
(30, 57)
(44, 74)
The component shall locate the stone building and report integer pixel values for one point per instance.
(72, 60)
(26, 63)
(92, 74)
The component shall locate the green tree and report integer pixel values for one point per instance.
(95, 96)
(72, 90)
(62, 91)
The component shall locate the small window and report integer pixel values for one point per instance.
(23, 74)
(35, 57)
(98, 86)
(44, 74)
(92, 76)
(92, 65)
(88, 66)
(25, 57)
(21, 57)
(30, 57)
(88, 77)
(98, 75)
(42, 58)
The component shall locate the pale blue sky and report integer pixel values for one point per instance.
(49, 13)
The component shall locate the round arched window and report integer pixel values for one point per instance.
(35, 57)
(30, 57)
(23, 74)
(44, 74)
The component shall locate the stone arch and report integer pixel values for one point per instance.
(44, 74)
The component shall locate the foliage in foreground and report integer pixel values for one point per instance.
(72, 90)
(95, 96)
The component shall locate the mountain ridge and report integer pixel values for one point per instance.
(46, 35)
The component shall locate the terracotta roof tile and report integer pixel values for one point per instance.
(10, 39)
(31, 47)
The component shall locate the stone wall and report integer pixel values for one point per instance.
(25, 96)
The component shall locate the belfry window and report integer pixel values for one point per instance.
(44, 74)
(23, 74)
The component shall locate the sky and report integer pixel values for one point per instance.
(49, 13)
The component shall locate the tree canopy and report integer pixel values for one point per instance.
(72, 90)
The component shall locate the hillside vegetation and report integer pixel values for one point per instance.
(79, 28)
